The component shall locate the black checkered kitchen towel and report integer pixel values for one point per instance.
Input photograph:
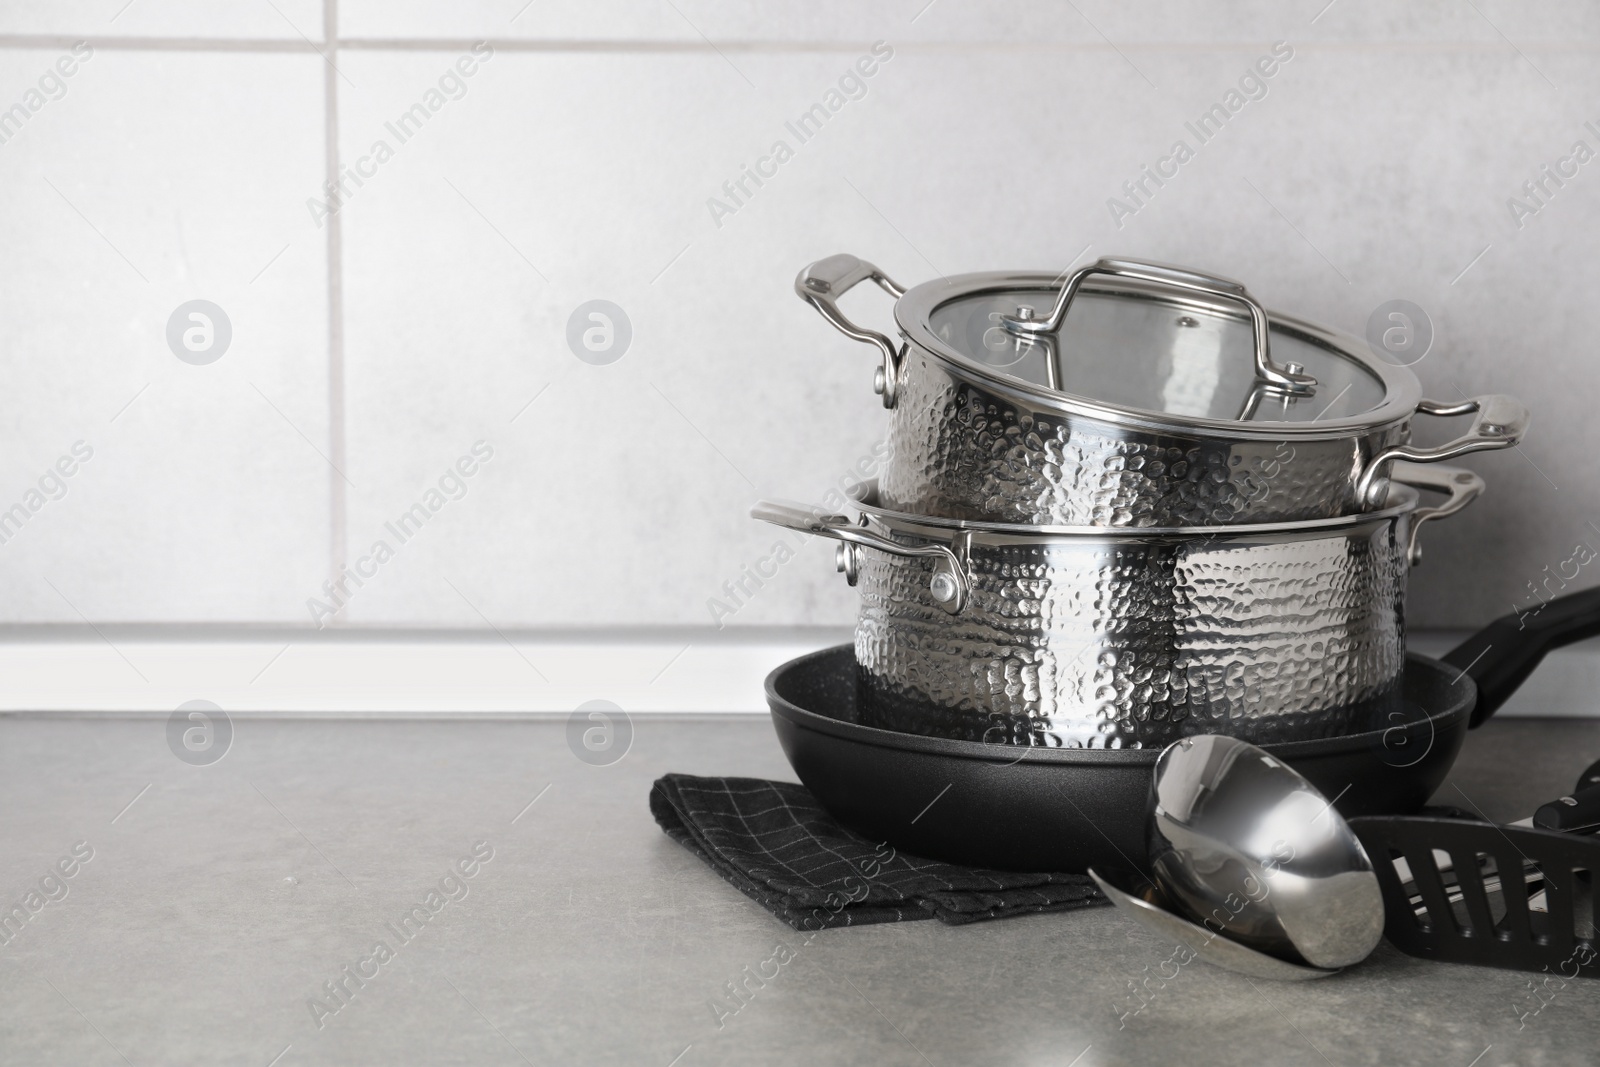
(774, 842)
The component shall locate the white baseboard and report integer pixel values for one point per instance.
(696, 671)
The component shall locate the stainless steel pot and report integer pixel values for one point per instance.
(1129, 638)
(1166, 398)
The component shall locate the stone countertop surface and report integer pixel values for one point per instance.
(219, 901)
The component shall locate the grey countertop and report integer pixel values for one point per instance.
(220, 899)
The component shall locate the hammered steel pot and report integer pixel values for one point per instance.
(1160, 401)
(1120, 638)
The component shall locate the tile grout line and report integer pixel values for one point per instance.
(633, 45)
(338, 502)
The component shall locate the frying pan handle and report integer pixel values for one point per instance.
(823, 282)
(1462, 485)
(949, 585)
(1502, 655)
(1283, 379)
(1501, 422)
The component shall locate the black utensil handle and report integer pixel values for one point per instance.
(1502, 655)
(1590, 777)
(1576, 813)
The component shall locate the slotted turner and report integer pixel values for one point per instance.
(1462, 907)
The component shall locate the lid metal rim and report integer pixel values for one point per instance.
(1403, 499)
(1402, 390)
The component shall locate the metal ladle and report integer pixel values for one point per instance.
(1152, 908)
(1244, 844)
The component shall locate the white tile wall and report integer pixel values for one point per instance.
(787, 22)
(172, 19)
(1016, 23)
(575, 163)
(141, 188)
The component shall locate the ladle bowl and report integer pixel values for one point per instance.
(1246, 846)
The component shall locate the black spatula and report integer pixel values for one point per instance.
(1515, 897)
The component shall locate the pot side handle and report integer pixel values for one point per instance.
(1502, 421)
(823, 282)
(949, 585)
(1502, 655)
(1461, 485)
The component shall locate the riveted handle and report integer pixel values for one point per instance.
(825, 281)
(1461, 486)
(1283, 379)
(949, 585)
(1501, 422)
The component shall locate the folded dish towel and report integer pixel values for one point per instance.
(774, 843)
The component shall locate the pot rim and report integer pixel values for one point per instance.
(1403, 500)
(1402, 389)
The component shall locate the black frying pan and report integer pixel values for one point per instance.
(1062, 809)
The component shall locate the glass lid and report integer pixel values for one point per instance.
(1138, 344)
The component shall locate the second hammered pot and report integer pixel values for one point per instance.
(1105, 638)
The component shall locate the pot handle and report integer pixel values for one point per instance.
(949, 586)
(823, 282)
(1500, 656)
(1461, 485)
(1289, 379)
(1501, 422)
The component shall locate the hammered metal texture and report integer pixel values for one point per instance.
(962, 452)
(1082, 642)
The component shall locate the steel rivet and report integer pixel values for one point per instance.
(1185, 320)
(879, 380)
(847, 561)
(943, 588)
